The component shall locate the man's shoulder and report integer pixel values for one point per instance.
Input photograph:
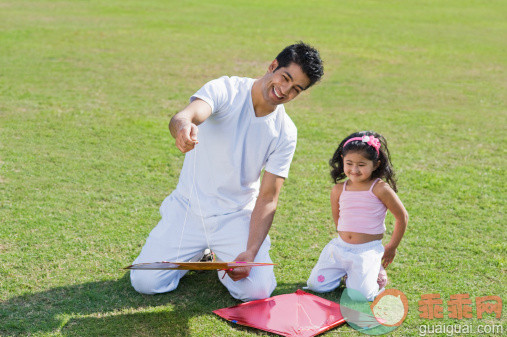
(235, 86)
(224, 92)
(286, 123)
(230, 82)
(239, 79)
(235, 81)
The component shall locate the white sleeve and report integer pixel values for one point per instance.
(280, 159)
(215, 93)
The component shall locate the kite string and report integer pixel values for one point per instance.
(198, 202)
(184, 225)
(192, 188)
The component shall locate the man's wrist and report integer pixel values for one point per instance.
(251, 253)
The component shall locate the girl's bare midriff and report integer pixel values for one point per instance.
(358, 238)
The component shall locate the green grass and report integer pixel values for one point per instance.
(87, 89)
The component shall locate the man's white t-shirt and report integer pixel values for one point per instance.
(234, 146)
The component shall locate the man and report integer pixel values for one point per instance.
(241, 128)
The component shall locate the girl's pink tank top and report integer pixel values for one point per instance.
(361, 212)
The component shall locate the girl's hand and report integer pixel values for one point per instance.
(389, 254)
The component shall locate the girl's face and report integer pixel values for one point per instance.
(358, 168)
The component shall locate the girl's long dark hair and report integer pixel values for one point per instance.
(385, 170)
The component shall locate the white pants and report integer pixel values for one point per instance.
(227, 235)
(361, 262)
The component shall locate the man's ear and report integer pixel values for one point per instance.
(273, 66)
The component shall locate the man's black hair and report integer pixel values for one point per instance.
(306, 57)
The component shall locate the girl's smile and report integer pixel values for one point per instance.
(358, 168)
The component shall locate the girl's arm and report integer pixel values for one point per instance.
(336, 191)
(386, 194)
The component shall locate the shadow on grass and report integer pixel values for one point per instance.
(114, 308)
(164, 323)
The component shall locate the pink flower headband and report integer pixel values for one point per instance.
(370, 140)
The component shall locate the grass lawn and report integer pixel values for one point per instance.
(87, 89)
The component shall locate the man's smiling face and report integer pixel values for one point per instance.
(284, 84)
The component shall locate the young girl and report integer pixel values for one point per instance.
(359, 206)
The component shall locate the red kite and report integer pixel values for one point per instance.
(298, 314)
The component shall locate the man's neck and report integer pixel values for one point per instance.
(261, 107)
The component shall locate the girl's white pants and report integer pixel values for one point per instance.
(227, 234)
(361, 262)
